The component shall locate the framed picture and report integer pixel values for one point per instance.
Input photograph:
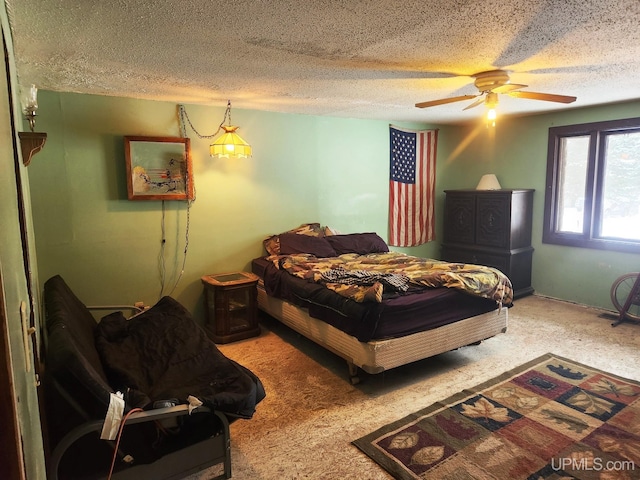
(158, 168)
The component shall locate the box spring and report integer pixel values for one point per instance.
(377, 356)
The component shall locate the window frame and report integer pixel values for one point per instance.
(590, 236)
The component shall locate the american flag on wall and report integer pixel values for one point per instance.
(412, 186)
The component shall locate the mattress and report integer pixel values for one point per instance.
(398, 315)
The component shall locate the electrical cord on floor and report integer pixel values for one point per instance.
(115, 450)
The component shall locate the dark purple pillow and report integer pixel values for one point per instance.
(296, 243)
(360, 243)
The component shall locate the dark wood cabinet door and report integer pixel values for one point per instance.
(460, 219)
(492, 224)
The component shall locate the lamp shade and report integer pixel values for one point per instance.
(488, 182)
(230, 144)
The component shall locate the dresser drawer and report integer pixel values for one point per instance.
(459, 255)
(515, 265)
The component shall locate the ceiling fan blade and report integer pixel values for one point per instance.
(443, 101)
(508, 87)
(548, 97)
(478, 101)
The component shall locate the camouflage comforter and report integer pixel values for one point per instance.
(363, 278)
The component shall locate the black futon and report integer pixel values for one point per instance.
(157, 359)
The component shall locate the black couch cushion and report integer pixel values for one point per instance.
(71, 357)
(162, 354)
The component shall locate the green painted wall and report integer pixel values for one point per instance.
(517, 153)
(304, 168)
(107, 248)
(353, 173)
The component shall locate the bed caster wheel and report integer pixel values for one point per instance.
(353, 373)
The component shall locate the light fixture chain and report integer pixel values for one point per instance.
(183, 116)
(228, 145)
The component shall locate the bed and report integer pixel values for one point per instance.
(376, 308)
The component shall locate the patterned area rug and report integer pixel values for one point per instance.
(551, 418)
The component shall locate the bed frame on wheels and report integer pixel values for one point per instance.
(377, 356)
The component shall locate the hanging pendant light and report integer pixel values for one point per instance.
(229, 144)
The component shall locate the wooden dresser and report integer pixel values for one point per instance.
(493, 228)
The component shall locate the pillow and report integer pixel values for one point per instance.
(360, 243)
(272, 243)
(296, 243)
(330, 231)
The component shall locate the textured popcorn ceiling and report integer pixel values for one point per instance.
(362, 59)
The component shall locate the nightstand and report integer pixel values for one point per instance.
(231, 306)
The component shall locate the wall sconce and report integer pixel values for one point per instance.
(31, 142)
(229, 144)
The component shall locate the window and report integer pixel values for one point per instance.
(593, 186)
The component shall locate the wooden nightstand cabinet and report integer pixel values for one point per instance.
(231, 306)
(493, 228)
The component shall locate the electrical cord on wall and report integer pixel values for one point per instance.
(182, 115)
(161, 256)
(161, 264)
(186, 247)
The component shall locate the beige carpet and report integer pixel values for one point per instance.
(303, 429)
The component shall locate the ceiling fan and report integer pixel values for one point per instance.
(492, 83)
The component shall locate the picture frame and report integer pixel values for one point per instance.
(158, 168)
